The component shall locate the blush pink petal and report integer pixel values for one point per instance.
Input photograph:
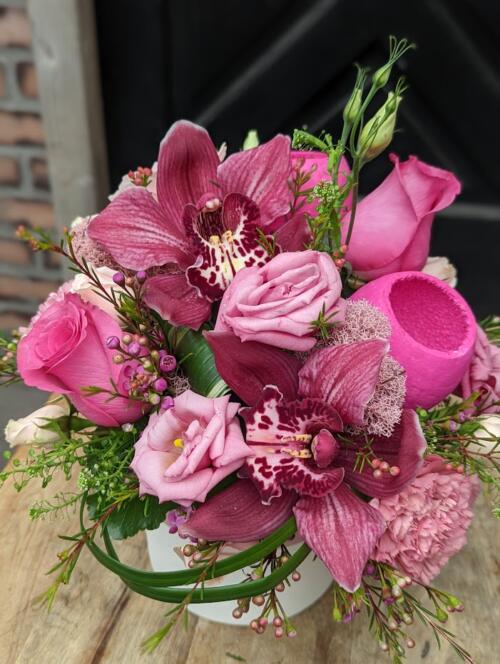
(187, 168)
(237, 514)
(276, 304)
(344, 376)
(261, 174)
(405, 449)
(402, 208)
(293, 234)
(176, 301)
(247, 367)
(135, 231)
(186, 451)
(342, 530)
(427, 521)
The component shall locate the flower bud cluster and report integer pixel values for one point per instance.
(145, 372)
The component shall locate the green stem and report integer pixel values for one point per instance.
(355, 190)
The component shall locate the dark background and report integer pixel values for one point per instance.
(274, 65)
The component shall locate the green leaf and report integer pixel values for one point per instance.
(197, 361)
(132, 515)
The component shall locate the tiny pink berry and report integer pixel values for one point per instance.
(278, 632)
(277, 622)
(254, 624)
(237, 614)
(296, 576)
(376, 462)
(263, 622)
(377, 473)
(384, 466)
(394, 470)
(292, 634)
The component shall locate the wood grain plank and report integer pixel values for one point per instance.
(95, 620)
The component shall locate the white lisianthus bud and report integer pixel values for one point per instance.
(251, 140)
(353, 106)
(440, 267)
(28, 430)
(83, 286)
(377, 133)
(489, 435)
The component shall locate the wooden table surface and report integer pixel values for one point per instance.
(96, 620)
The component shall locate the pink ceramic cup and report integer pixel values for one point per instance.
(433, 332)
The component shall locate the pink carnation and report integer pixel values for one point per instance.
(427, 522)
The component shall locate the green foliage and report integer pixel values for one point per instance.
(197, 362)
(464, 442)
(132, 515)
(491, 325)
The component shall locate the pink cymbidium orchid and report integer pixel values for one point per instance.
(204, 219)
(299, 444)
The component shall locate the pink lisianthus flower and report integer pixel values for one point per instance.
(276, 304)
(184, 452)
(427, 522)
(483, 375)
(65, 351)
(392, 227)
(203, 218)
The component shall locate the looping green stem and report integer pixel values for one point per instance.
(157, 584)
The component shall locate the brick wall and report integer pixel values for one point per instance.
(26, 278)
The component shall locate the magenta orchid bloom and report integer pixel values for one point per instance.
(298, 445)
(203, 221)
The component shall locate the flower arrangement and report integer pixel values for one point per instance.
(248, 353)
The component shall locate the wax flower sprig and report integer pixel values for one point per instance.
(364, 142)
(387, 597)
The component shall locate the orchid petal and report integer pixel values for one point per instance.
(247, 367)
(226, 241)
(275, 421)
(271, 472)
(405, 449)
(133, 229)
(344, 376)
(171, 296)
(294, 234)
(187, 168)
(261, 174)
(237, 514)
(342, 530)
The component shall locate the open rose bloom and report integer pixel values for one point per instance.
(260, 356)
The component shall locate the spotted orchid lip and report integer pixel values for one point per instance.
(225, 239)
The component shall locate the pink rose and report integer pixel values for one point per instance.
(184, 452)
(276, 304)
(316, 165)
(65, 351)
(392, 227)
(483, 374)
(427, 522)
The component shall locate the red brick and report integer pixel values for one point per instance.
(26, 79)
(15, 27)
(40, 173)
(11, 321)
(3, 90)
(26, 289)
(15, 252)
(9, 171)
(34, 213)
(20, 129)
